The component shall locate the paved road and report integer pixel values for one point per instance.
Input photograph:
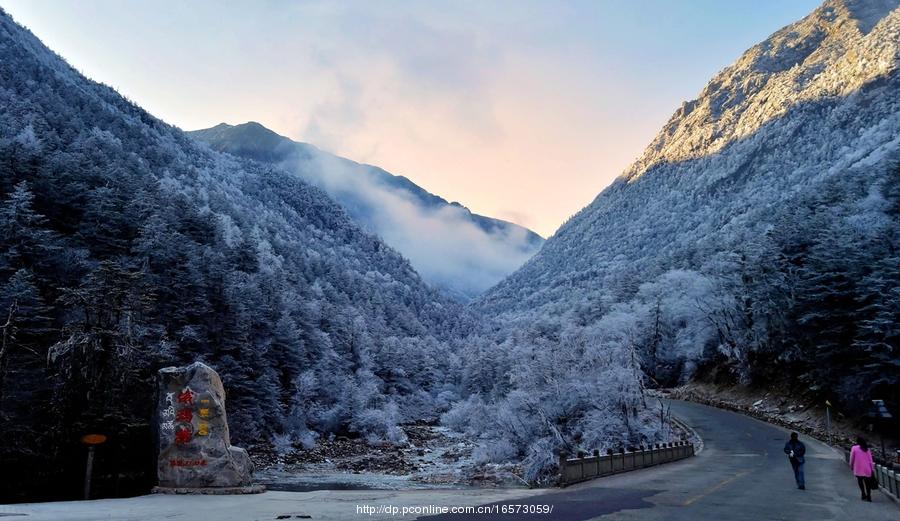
(742, 474)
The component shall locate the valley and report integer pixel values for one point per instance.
(376, 340)
(423, 227)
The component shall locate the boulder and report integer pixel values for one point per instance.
(195, 450)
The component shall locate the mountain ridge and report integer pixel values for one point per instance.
(459, 251)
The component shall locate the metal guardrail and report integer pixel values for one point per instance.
(583, 468)
(888, 481)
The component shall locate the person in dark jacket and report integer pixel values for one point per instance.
(796, 451)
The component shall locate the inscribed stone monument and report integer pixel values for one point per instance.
(195, 452)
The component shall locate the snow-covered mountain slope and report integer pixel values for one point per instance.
(126, 246)
(458, 251)
(817, 98)
(828, 55)
(745, 213)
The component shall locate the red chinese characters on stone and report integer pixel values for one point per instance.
(186, 397)
(184, 415)
(182, 435)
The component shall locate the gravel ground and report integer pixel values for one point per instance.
(434, 457)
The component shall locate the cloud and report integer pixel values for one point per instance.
(443, 244)
(519, 217)
(372, 68)
(342, 114)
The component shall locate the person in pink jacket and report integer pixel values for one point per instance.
(863, 467)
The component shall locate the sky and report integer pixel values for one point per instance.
(521, 110)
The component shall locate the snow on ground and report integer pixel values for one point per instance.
(321, 505)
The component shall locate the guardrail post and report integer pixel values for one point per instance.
(562, 468)
(887, 482)
(891, 482)
(619, 460)
(609, 458)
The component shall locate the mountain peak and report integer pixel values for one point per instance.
(250, 128)
(833, 51)
(253, 126)
(250, 139)
(865, 13)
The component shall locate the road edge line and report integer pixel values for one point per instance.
(684, 425)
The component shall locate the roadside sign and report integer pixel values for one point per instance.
(93, 439)
(879, 410)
